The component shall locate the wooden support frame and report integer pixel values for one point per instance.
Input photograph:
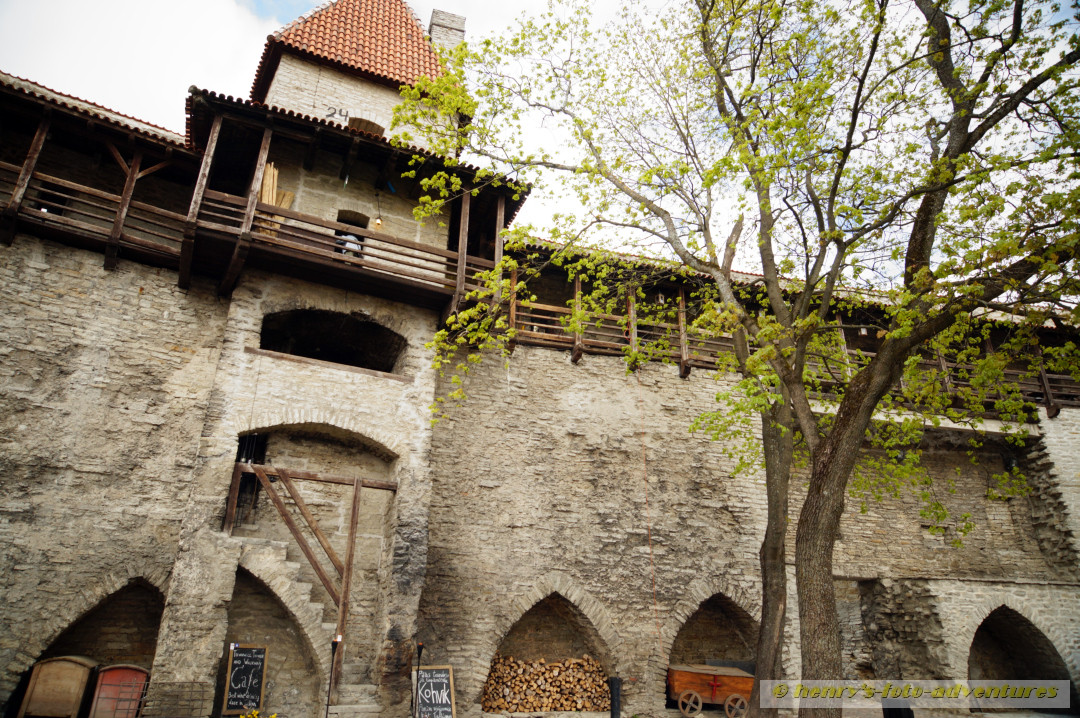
(234, 495)
(500, 224)
(331, 554)
(579, 340)
(243, 239)
(294, 529)
(11, 211)
(631, 327)
(684, 342)
(346, 580)
(513, 305)
(462, 247)
(112, 247)
(187, 248)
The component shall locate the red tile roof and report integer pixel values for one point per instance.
(379, 38)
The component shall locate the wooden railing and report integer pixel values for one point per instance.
(8, 175)
(548, 325)
(60, 204)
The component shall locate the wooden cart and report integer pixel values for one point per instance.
(694, 685)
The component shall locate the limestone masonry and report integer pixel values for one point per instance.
(215, 430)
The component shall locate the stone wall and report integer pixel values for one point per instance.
(323, 92)
(104, 381)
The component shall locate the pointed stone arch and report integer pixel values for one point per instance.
(698, 593)
(1031, 612)
(558, 584)
(266, 566)
(78, 604)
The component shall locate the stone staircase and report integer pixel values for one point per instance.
(269, 561)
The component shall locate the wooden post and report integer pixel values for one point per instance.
(500, 221)
(346, 578)
(684, 344)
(187, 248)
(112, 248)
(579, 340)
(11, 211)
(463, 250)
(243, 239)
(234, 494)
(946, 376)
(310, 519)
(631, 327)
(305, 548)
(513, 303)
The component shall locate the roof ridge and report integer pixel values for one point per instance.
(310, 13)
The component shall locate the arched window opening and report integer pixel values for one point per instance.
(334, 337)
(553, 659)
(1008, 647)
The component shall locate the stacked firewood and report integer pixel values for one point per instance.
(574, 684)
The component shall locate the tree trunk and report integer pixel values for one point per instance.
(777, 433)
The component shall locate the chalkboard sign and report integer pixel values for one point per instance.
(435, 692)
(245, 679)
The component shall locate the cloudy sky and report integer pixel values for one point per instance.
(140, 56)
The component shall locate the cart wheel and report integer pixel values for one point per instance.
(689, 703)
(735, 706)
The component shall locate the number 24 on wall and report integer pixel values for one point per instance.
(337, 112)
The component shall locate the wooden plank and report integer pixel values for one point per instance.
(579, 341)
(305, 548)
(513, 305)
(346, 579)
(118, 157)
(187, 248)
(298, 475)
(631, 326)
(310, 519)
(243, 239)
(462, 248)
(27, 171)
(151, 170)
(500, 224)
(113, 246)
(234, 495)
(684, 345)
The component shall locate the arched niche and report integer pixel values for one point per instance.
(1009, 647)
(552, 639)
(719, 630)
(255, 616)
(350, 339)
(122, 628)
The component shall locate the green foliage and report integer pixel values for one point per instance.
(908, 170)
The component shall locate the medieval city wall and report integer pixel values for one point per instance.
(104, 380)
(583, 481)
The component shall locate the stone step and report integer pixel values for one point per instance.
(349, 711)
(357, 694)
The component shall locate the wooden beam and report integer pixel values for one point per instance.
(310, 519)
(305, 548)
(684, 342)
(346, 579)
(350, 159)
(243, 239)
(513, 304)
(631, 327)
(151, 170)
(462, 247)
(298, 475)
(312, 150)
(234, 494)
(500, 224)
(11, 212)
(112, 247)
(118, 157)
(579, 340)
(187, 247)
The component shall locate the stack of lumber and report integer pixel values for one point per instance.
(574, 684)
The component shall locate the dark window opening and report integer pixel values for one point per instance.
(333, 337)
(350, 243)
(250, 449)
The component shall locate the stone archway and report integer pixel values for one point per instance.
(1009, 647)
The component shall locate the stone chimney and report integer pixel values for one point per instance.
(446, 29)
